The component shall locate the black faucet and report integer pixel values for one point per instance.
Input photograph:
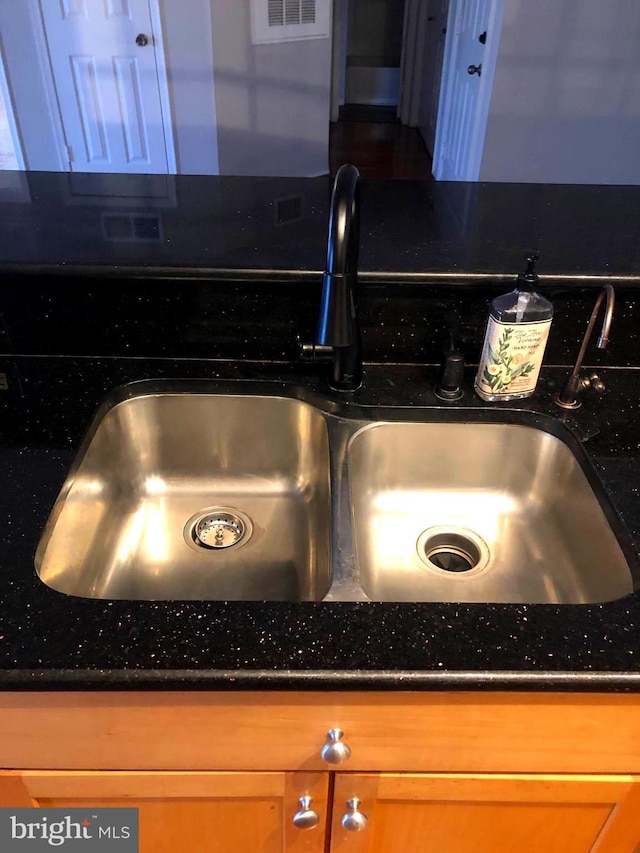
(338, 335)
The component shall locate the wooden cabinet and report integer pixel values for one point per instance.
(216, 812)
(444, 772)
(421, 813)
(416, 813)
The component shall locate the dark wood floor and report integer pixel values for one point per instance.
(380, 149)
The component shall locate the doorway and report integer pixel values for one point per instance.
(109, 84)
(375, 123)
(437, 124)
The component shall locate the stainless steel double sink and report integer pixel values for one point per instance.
(180, 493)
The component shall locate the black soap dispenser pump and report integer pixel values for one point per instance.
(515, 340)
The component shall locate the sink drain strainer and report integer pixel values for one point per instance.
(217, 528)
(454, 550)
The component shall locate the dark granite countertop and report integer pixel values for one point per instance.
(69, 339)
(409, 228)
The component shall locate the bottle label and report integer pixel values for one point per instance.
(512, 356)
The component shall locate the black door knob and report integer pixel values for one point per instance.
(475, 69)
(142, 40)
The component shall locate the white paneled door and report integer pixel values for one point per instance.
(434, 42)
(104, 60)
(473, 36)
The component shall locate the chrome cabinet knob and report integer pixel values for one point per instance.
(305, 818)
(142, 40)
(335, 751)
(475, 69)
(354, 820)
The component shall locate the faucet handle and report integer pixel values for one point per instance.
(313, 352)
(306, 351)
(594, 383)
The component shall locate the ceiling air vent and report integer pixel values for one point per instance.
(288, 20)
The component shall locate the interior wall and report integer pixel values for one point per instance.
(340, 28)
(34, 112)
(273, 100)
(269, 114)
(375, 30)
(565, 106)
(188, 43)
(374, 48)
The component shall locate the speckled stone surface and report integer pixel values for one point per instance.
(68, 339)
(52, 640)
(248, 223)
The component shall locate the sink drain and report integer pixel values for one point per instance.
(453, 550)
(217, 528)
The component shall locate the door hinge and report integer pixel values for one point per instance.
(69, 154)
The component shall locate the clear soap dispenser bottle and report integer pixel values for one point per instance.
(515, 339)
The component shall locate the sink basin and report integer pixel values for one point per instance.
(195, 496)
(478, 512)
(180, 493)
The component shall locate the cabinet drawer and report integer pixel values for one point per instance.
(428, 732)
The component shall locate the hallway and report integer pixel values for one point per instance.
(381, 148)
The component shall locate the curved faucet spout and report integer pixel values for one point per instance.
(344, 222)
(568, 398)
(338, 327)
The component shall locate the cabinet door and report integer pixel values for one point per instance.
(494, 813)
(212, 812)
